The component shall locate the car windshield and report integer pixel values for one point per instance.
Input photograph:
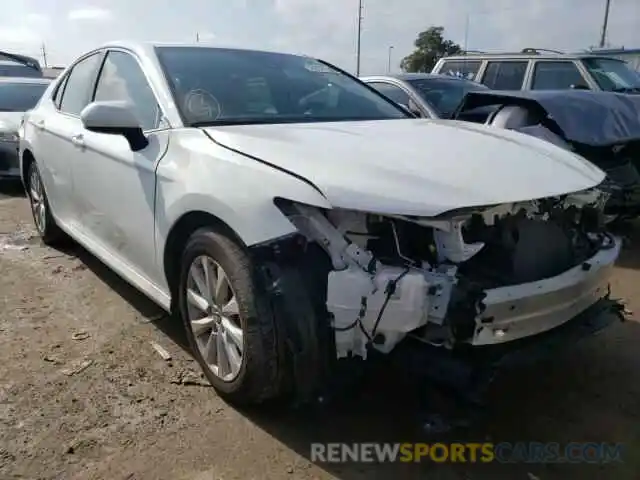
(215, 86)
(613, 75)
(20, 96)
(444, 94)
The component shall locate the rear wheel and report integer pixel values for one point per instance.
(42, 218)
(229, 323)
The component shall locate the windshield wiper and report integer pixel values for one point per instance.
(280, 120)
(232, 121)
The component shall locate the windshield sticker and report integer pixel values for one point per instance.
(202, 105)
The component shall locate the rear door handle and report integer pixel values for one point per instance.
(78, 140)
(40, 124)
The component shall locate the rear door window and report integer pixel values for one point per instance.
(556, 76)
(461, 68)
(79, 85)
(505, 75)
(122, 79)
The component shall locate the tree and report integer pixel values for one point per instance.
(430, 47)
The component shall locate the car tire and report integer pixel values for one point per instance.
(49, 231)
(259, 376)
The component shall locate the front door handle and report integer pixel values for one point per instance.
(78, 140)
(40, 124)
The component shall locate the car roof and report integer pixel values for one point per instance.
(528, 54)
(40, 80)
(413, 76)
(148, 48)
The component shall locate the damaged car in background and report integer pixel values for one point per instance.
(603, 127)
(294, 218)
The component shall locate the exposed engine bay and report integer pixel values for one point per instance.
(478, 276)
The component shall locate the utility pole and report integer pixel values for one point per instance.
(44, 56)
(359, 35)
(197, 37)
(389, 59)
(466, 33)
(603, 35)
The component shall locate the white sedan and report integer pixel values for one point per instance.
(290, 215)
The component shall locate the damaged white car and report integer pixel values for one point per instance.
(291, 216)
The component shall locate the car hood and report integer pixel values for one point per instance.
(10, 121)
(414, 167)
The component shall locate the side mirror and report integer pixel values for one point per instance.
(114, 118)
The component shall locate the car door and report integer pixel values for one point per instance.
(115, 185)
(56, 122)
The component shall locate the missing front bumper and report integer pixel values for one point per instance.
(520, 311)
(469, 370)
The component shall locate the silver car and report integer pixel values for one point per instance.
(17, 95)
(425, 94)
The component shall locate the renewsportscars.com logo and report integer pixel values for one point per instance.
(504, 452)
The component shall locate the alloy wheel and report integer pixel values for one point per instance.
(38, 204)
(214, 317)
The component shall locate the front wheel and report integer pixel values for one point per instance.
(46, 225)
(229, 322)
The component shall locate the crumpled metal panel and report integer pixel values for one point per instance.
(584, 116)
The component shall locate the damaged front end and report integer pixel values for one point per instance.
(475, 277)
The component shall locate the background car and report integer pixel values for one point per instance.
(15, 65)
(537, 69)
(424, 94)
(17, 95)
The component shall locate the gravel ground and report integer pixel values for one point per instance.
(83, 394)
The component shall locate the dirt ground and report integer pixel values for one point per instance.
(129, 414)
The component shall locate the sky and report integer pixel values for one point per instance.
(321, 28)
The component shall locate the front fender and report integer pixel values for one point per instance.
(197, 175)
(265, 222)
